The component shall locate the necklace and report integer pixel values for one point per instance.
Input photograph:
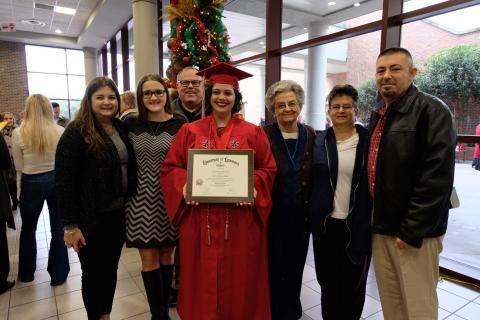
(154, 132)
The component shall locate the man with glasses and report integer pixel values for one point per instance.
(191, 92)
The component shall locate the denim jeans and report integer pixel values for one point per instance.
(35, 190)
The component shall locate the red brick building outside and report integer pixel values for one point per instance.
(13, 77)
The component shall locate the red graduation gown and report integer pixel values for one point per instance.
(227, 279)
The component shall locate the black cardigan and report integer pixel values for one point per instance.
(306, 168)
(86, 183)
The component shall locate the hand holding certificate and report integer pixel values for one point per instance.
(220, 176)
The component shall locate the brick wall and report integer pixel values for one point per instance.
(334, 79)
(13, 77)
(422, 40)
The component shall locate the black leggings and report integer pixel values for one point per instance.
(99, 261)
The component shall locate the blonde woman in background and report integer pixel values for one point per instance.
(34, 144)
(128, 107)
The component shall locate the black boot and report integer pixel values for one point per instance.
(167, 272)
(154, 289)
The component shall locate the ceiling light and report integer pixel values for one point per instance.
(58, 31)
(332, 3)
(261, 43)
(33, 22)
(65, 10)
(356, 4)
(305, 28)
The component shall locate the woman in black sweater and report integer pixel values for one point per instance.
(93, 171)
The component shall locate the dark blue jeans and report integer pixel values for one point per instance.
(35, 190)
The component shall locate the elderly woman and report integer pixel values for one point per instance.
(341, 208)
(288, 226)
(223, 245)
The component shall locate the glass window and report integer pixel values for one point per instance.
(253, 92)
(120, 78)
(58, 74)
(448, 61)
(45, 59)
(109, 61)
(320, 68)
(410, 5)
(75, 62)
(76, 87)
(131, 59)
(74, 106)
(131, 67)
(119, 62)
(245, 30)
(300, 20)
(54, 86)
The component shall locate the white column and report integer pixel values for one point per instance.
(145, 37)
(317, 79)
(90, 61)
(261, 85)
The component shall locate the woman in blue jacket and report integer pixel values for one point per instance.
(341, 208)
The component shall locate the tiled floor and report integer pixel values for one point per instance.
(38, 300)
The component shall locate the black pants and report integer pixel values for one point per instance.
(287, 252)
(342, 282)
(4, 258)
(99, 261)
(12, 189)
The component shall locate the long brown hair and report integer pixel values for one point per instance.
(142, 110)
(89, 126)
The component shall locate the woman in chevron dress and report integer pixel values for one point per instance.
(148, 227)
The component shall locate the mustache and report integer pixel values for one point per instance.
(387, 82)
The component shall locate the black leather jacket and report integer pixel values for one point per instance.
(415, 168)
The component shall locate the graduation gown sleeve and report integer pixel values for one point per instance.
(264, 175)
(173, 176)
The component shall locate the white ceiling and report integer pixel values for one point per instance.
(96, 21)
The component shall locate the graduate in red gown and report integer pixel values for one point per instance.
(224, 246)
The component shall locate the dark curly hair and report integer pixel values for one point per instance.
(345, 90)
(237, 105)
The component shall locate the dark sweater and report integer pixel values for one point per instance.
(87, 183)
(5, 164)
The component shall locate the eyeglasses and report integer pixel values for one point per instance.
(291, 105)
(186, 83)
(337, 107)
(149, 93)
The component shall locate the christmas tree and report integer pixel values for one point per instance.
(198, 36)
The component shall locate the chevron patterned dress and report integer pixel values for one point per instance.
(147, 221)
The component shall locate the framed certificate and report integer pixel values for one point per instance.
(220, 176)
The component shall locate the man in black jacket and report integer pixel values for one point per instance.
(410, 169)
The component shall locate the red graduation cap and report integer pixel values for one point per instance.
(224, 73)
